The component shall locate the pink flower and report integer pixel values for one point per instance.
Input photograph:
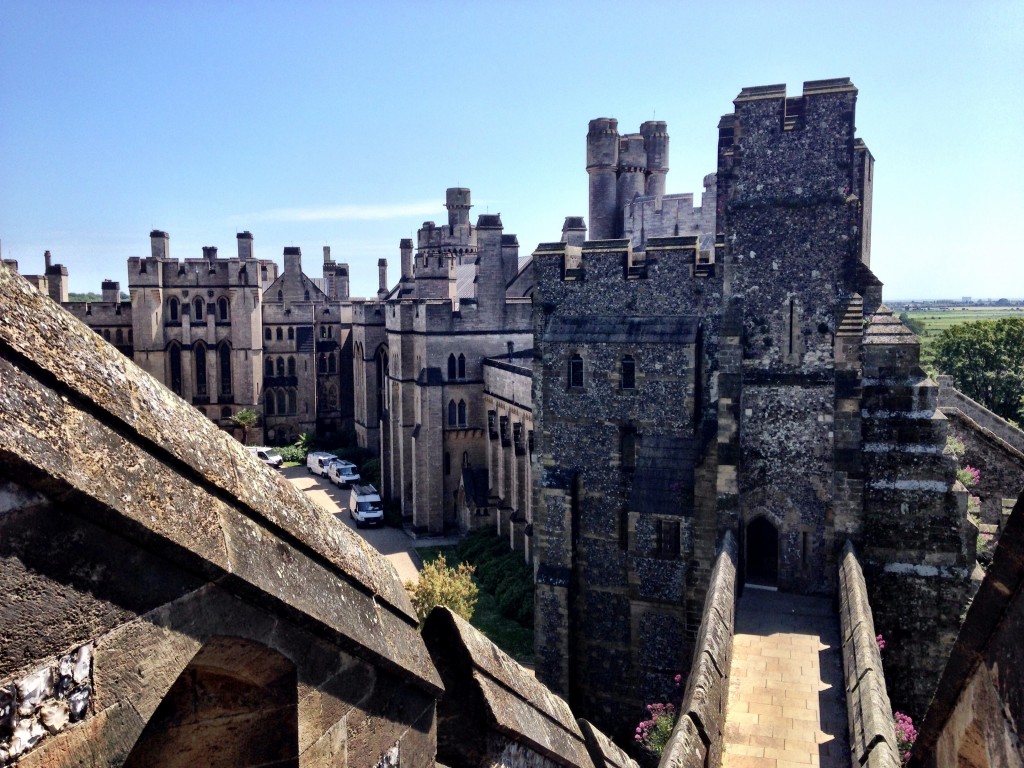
(881, 642)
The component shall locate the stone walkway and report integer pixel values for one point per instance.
(787, 706)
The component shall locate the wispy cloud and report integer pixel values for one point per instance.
(344, 212)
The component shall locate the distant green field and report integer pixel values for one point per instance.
(938, 320)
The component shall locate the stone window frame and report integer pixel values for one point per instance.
(270, 402)
(575, 371)
(279, 335)
(198, 310)
(462, 366)
(268, 366)
(174, 377)
(173, 309)
(628, 444)
(452, 413)
(279, 366)
(199, 362)
(667, 538)
(291, 366)
(451, 367)
(223, 310)
(627, 372)
(268, 334)
(462, 413)
(224, 380)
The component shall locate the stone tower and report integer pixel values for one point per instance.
(791, 219)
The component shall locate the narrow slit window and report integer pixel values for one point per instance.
(628, 372)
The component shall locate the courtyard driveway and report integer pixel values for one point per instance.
(394, 543)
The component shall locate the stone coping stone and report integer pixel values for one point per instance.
(91, 420)
(519, 706)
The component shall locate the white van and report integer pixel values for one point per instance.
(318, 461)
(268, 456)
(342, 472)
(364, 506)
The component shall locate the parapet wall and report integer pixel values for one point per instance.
(952, 398)
(872, 734)
(699, 734)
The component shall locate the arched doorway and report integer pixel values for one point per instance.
(235, 704)
(762, 555)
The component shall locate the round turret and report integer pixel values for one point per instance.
(603, 143)
(655, 133)
(602, 163)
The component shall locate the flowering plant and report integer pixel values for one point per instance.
(968, 475)
(906, 735)
(881, 642)
(653, 733)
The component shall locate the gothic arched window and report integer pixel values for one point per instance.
(224, 358)
(200, 363)
(174, 361)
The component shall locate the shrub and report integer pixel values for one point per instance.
(292, 453)
(501, 573)
(441, 585)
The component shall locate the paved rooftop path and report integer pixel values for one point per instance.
(787, 706)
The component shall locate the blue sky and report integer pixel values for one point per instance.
(341, 124)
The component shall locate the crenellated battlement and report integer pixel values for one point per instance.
(609, 260)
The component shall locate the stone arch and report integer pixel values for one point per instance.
(761, 551)
(234, 704)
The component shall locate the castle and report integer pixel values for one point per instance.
(625, 401)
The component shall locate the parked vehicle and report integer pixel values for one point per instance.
(342, 472)
(364, 506)
(268, 456)
(318, 461)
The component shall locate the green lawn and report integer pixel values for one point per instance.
(936, 320)
(513, 638)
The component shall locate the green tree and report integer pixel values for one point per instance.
(441, 585)
(986, 359)
(246, 419)
(917, 327)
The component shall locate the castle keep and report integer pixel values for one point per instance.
(682, 403)
(689, 385)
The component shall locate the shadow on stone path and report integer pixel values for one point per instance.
(787, 706)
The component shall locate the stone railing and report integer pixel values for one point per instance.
(699, 734)
(950, 397)
(872, 733)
